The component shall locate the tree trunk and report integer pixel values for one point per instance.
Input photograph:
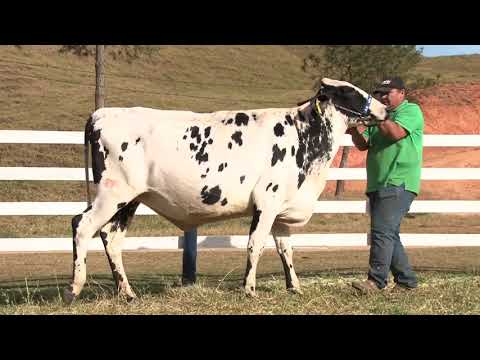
(341, 183)
(99, 77)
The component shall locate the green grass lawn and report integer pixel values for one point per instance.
(449, 283)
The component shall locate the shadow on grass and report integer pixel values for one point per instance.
(49, 290)
(45, 290)
(41, 291)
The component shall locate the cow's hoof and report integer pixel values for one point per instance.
(250, 292)
(295, 291)
(129, 296)
(131, 299)
(68, 296)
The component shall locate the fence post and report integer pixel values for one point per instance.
(99, 77)
(189, 267)
(339, 190)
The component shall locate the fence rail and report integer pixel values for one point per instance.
(174, 242)
(76, 137)
(321, 207)
(236, 242)
(78, 174)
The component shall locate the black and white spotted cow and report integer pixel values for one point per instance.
(197, 168)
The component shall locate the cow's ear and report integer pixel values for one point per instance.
(322, 96)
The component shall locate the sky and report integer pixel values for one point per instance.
(442, 50)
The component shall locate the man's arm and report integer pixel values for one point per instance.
(392, 130)
(358, 139)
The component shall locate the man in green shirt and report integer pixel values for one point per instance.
(394, 162)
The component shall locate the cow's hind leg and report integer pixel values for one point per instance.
(85, 225)
(112, 235)
(281, 236)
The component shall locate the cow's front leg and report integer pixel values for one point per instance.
(259, 230)
(281, 236)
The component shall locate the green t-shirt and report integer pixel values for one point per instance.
(400, 162)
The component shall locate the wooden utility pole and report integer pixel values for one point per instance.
(99, 77)
(343, 163)
(99, 96)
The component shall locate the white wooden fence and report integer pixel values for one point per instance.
(303, 240)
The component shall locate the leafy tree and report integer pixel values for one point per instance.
(365, 66)
(120, 52)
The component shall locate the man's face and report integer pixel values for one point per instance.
(393, 98)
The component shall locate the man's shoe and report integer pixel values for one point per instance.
(366, 287)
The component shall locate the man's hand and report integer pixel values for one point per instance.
(357, 139)
(392, 130)
(351, 131)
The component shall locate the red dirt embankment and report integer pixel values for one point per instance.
(448, 109)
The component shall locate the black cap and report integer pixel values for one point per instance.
(388, 84)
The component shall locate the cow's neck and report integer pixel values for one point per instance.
(319, 136)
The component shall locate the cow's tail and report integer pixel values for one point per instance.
(86, 141)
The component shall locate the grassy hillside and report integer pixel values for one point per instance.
(452, 69)
(43, 89)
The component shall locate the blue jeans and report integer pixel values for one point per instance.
(388, 206)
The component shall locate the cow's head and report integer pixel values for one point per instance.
(354, 103)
